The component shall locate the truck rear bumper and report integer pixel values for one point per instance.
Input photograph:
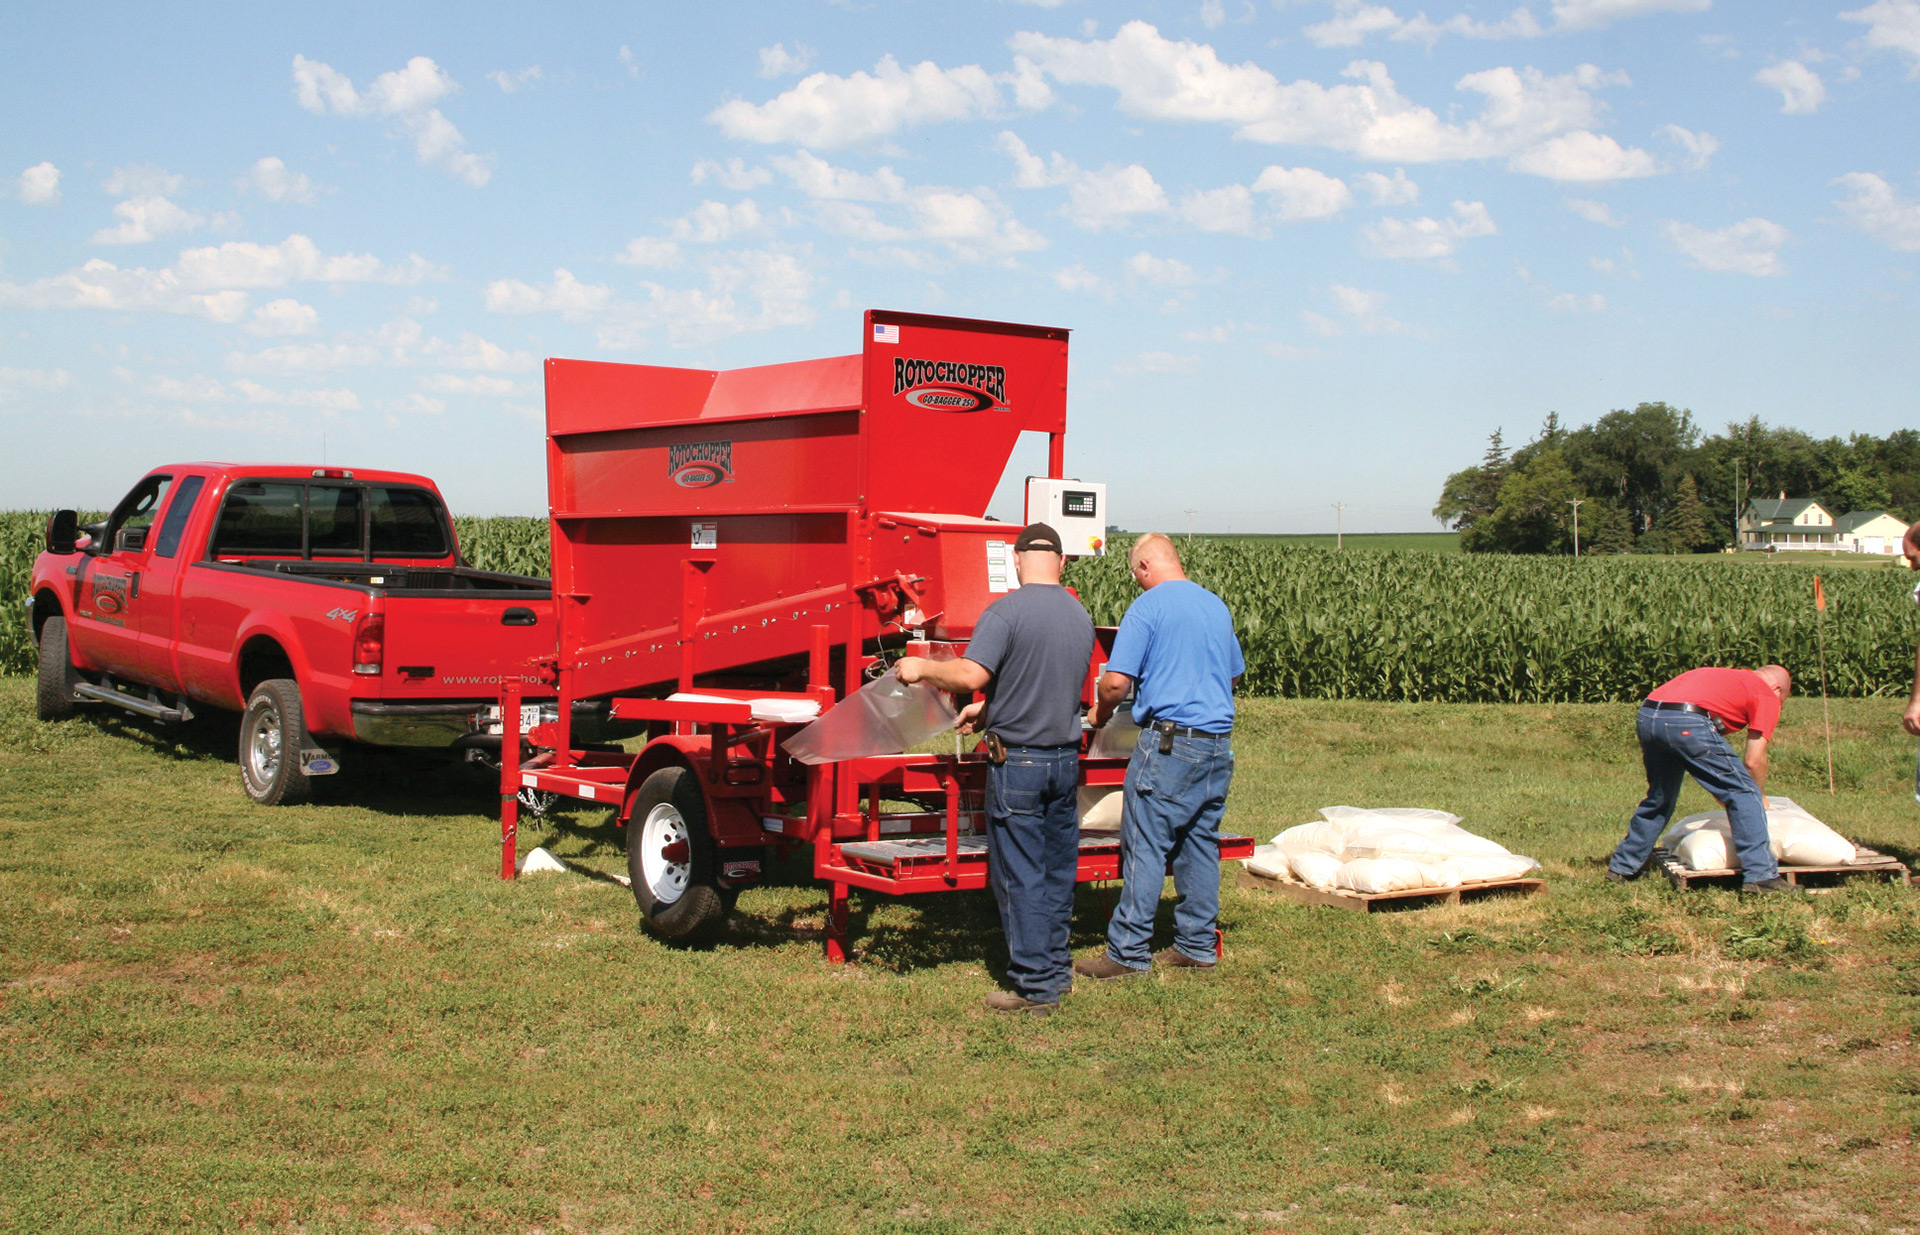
(444, 722)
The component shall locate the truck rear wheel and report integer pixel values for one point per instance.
(671, 859)
(54, 698)
(272, 732)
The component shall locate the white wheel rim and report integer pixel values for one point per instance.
(663, 827)
(264, 745)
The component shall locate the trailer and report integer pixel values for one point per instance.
(736, 551)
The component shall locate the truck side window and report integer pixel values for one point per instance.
(184, 496)
(132, 519)
(405, 523)
(259, 519)
(333, 520)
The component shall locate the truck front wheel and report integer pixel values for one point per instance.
(272, 732)
(671, 859)
(54, 698)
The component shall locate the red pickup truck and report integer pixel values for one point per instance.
(326, 605)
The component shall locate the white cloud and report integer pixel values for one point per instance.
(1113, 196)
(733, 174)
(1030, 171)
(1697, 149)
(405, 96)
(1427, 239)
(270, 179)
(99, 284)
(1593, 14)
(294, 260)
(147, 212)
(745, 290)
(201, 389)
(1801, 90)
(1585, 157)
(516, 81)
(1562, 302)
(1157, 362)
(1880, 212)
(1078, 278)
(39, 185)
(711, 222)
(400, 343)
(1355, 21)
(970, 226)
(1162, 79)
(1394, 190)
(284, 317)
(1227, 211)
(1592, 211)
(1892, 25)
(43, 380)
(490, 387)
(627, 62)
(1360, 312)
(1302, 193)
(777, 61)
(649, 251)
(1751, 246)
(826, 110)
(1213, 14)
(416, 405)
(1160, 271)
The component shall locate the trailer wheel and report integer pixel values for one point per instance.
(272, 732)
(670, 858)
(53, 699)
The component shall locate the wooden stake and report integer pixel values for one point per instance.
(1820, 635)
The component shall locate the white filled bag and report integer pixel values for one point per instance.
(1381, 875)
(1328, 838)
(1268, 860)
(1490, 867)
(1705, 850)
(1099, 807)
(1415, 818)
(1794, 836)
(1316, 870)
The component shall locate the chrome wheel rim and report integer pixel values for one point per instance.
(264, 746)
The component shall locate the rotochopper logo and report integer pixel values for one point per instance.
(700, 465)
(950, 385)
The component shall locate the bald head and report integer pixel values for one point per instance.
(1153, 559)
(1777, 677)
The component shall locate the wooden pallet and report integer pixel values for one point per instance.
(1866, 862)
(1369, 902)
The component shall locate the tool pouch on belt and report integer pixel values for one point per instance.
(996, 749)
(1165, 729)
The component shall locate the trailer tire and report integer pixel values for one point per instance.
(671, 859)
(53, 698)
(272, 731)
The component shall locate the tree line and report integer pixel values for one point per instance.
(1646, 481)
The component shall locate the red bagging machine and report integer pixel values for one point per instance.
(733, 549)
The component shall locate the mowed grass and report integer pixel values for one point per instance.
(337, 1017)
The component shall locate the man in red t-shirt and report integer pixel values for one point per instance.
(1681, 728)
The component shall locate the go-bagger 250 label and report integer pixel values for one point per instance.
(698, 465)
(950, 385)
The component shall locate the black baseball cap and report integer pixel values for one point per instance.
(1037, 536)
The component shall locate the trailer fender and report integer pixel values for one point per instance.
(733, 821)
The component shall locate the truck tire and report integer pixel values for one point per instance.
(272, 731)
(671, 859)
(53, 699)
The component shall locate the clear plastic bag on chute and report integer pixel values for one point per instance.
(884, 717)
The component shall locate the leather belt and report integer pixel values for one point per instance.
(1167, 727)
(1661, 705)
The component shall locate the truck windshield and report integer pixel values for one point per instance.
(405, 523)
(288, 519)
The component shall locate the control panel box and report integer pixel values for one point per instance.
(1076, 509)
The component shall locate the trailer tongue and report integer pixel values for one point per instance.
(733, 550)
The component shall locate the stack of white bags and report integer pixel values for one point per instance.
(1704, 842)
(1391, 849)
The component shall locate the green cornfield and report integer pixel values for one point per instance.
(1462, 628)
(1409, 625)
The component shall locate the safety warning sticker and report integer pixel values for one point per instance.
(706, 535)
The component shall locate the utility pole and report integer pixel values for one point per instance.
(1576, 503)
(1338, 508)
(1190, 515)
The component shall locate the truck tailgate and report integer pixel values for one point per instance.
(462, 646)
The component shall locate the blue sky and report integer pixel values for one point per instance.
(1312, 252)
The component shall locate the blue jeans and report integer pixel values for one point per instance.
(1673, 744)
(1033, 858)
(1171, 817)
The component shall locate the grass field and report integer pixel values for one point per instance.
(336, 1018)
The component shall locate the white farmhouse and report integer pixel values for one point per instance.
(1869, 531)
(1778, 525)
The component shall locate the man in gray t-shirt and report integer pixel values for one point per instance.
(1030, 653)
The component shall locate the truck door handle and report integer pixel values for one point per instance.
(518, 616)
(133, 585)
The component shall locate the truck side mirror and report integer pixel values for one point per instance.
(63, 530)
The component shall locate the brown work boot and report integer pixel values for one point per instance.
(1174, 958)
(1007, 1001)
(1102, 968)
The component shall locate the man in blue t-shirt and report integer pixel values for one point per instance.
(1177, 652)
(1029, 653)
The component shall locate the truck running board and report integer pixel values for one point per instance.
(151, 708)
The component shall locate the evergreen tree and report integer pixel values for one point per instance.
(1606, 529)
(1685, 526)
